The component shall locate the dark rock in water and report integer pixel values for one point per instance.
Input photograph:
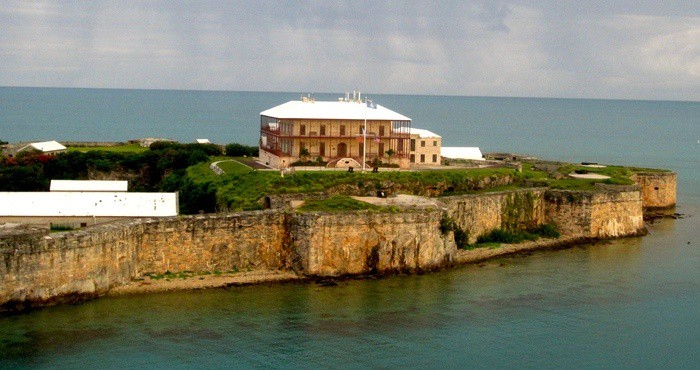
(327, 283)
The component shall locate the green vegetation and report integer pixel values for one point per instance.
(496, 237)
(240, 150)
(232, 166)
(341, 203)
(169, 166)
(125, 148)
(59, 227)
(461, 237)
(559, 179)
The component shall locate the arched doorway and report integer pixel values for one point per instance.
(342, 150)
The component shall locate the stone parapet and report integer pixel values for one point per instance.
(658, 188)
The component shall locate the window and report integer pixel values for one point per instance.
(322, 149)
(413, 158)
(434, 158)
(323, 130)
(434, 142)
(302, 129)
(360, 148)
(381, 149)
(381, 130)
(422, 143)
(422, 158)
(342, 130)
(413, 145)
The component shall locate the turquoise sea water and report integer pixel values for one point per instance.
(631, 303)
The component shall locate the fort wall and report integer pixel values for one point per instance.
(658, 188)
(41, 268)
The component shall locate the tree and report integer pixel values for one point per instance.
(240, 150)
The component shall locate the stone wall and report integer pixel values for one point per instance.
(38, 268)
(365, 242)
(239, 241)
(658, 188)
(479, 214)
(596, 214)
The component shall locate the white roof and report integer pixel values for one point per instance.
(46, 146)
(423, 134)
(349, 110)
(203, 141)
(461, 152)
(87, 204)
(88, 185)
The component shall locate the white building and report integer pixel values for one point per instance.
(80, 203)
(453, 152)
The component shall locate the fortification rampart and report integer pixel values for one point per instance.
(364, 242)
(39, 268)
(509, 210)
(596, 214)
(658, 188)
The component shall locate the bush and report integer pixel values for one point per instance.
(240, 150)
(518, 236)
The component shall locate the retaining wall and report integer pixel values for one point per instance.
(41, 268)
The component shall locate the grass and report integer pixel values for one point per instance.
(241, 187)
(231, 166)
(60, 228)
(340, 203)
(496, 237)
(126, 148)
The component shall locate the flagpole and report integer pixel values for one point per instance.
(364, 139)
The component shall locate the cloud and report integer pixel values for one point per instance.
(626, 49)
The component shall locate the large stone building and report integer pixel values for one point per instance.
(332, 131)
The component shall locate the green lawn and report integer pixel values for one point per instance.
(126, 148)
(241, 188)
(340, 203)
(230, 167)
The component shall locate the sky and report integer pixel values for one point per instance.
(622, 49)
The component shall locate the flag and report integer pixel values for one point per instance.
(370, 104)
(377, 140)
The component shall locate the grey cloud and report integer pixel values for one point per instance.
(599, 49)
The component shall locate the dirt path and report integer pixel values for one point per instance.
(149, 285)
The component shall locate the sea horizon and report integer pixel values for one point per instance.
(343, 92)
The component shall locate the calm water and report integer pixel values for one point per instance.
(632, 303)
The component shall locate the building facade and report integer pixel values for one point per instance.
(425, 147)
(332, 133)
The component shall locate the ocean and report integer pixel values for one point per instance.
(628, 303)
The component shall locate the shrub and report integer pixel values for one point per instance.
(240, 150)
